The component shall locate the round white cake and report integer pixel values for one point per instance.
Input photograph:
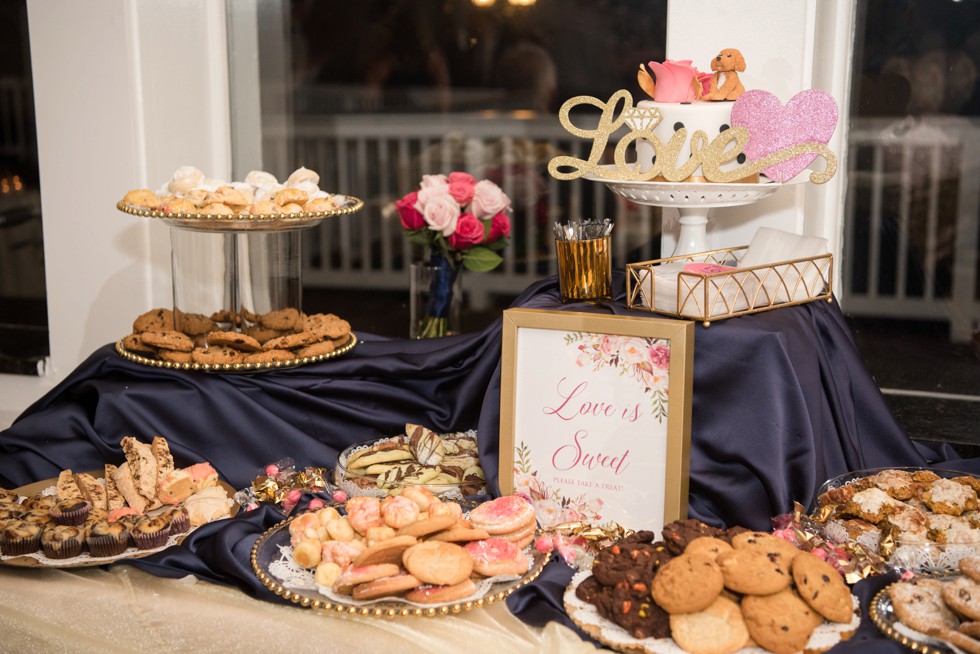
(712, 118)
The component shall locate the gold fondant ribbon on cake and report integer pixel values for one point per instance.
(709, 155)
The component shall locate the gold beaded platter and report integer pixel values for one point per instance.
(883, 616)
(86, 560)
(205, 222)
(267, 550)
(236, 368)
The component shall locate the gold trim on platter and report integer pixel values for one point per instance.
(240, 368)
(883, 616)
(209, 222)
(381, 608)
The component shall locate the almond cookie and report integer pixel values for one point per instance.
(237, 340)
(217, 354)
(284, 319)
(441, 594)
(708, 545)
(963, 596)
(291, 341)
(782, 622)
(767, 543)
(385, 587)
(754, 572)
(346, 582)
(461, 535)
(687, 583)
(430, 525)
(822, 587)
(438, 563)
(269, 356)
(155, 320)
(718, 629)
(168, 340)
(919, 604)
(389, 550)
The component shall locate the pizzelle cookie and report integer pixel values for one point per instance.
(822, 587)
(717, 629)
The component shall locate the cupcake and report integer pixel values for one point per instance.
(38, 517)
(150, 533)
(19, 537)
(178, 521)
(107, 538)
(61, 541)
(45, 502)
(70, 512)
(8, 497)
(11, 511)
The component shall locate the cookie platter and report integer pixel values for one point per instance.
(610, 634)
(86, 559)
(240, 368)
(272, 563)
(245, 222)
(884, 616)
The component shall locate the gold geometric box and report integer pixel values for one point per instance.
(708, 286)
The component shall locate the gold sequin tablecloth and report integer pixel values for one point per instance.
(127, 610)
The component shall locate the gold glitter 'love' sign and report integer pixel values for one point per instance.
(706, 154)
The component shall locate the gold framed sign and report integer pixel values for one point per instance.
(595, 416)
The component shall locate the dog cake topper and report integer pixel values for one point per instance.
(725, 84)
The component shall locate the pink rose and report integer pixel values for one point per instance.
(499, 226)
(461, 187)
(488, 200)
(429, 181)
(410, 216)
(469, 232)
(659, 356)
(632, 351)
(426, 194)
(609, 345)
(441, 213)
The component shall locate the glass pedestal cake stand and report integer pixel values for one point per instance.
(693, 201)
(235, 269)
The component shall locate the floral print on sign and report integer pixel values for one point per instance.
(647, 360)
(552, 508)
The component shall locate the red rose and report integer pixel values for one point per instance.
(499, 226)
(461, 187)
(469, 232)
(410, 216)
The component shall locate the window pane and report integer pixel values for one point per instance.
(23, 309)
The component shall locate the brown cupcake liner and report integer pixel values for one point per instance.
(107, 545)
(65, 549)
(150, 541)
(20, 546)
(72, 518)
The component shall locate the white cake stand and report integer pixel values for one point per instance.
(693, 201)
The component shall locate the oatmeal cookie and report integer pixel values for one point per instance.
(897, 483)
(970, 566)
(872, 505)
(948, 497)
(963, 596)
(919, 604)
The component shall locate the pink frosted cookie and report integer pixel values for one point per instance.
(503, 515)
(495, 556)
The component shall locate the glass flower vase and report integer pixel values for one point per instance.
(436, 298)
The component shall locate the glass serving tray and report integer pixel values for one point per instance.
(203, 222)
(267, 550)
(236, 368)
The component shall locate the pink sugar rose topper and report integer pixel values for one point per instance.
(809, 117)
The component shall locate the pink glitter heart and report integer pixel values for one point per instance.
(809, 117)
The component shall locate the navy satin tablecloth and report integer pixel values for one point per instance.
(781, 402)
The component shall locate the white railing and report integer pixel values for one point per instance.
(912, 205)
(910, 250)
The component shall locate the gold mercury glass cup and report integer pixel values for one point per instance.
(585, 269)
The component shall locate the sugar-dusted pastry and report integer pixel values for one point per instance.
(291, 195)
(143, 198)
(266, 192)
(185, 179)
(207, 505)
(302, 174)
(260, 178)
(247, 191)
